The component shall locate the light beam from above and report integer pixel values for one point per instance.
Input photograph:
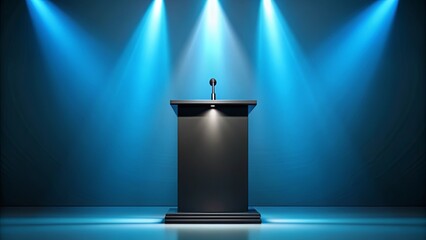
(74, 67)
(282, 74)
(348, 59)
(213, 51)
(306, 132)
(129, 120)
(73, 57)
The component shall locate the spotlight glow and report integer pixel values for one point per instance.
(309, 127)
(269, 11)
(353, 53)
(212, 16)
(212, 51)
(285, 91)
(73, 60)
(131, 111)
(278, 52)
(68, 49)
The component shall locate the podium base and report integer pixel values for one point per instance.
(251, 216)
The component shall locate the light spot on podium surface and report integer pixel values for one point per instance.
(212, 113)
(213, 126)
(213, 117)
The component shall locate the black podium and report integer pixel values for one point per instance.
(212, 162)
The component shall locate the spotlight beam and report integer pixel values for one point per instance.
(213, 51)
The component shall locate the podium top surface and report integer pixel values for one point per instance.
(214, 102)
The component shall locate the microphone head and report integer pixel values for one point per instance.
(213, 82)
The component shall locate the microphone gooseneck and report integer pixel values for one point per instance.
(213, 83)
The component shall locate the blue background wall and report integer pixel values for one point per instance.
(85, 90)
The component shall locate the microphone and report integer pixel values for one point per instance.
(213, 83)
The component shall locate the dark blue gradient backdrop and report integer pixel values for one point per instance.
(340, 85)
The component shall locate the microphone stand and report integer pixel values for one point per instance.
(213, 83)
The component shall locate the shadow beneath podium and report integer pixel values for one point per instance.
(213, 233)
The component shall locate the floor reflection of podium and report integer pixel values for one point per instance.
(212, 162)
(213, 233)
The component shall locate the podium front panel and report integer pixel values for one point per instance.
(212, 158)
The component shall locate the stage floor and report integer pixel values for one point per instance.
(147, 223)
